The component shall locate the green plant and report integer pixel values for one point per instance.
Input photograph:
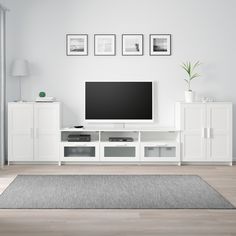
(189, 67)
(42, 94)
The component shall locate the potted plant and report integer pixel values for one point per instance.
(190, 67)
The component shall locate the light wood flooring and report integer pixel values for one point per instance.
(122, 222)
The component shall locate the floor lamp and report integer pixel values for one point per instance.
(20, 69)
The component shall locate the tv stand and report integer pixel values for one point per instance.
(160, 145)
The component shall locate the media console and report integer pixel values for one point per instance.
(203, 135)
(160, 145)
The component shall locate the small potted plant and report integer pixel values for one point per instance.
(190, 67)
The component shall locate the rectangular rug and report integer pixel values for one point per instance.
(111, 192)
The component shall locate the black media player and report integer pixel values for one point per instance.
(79, 138)
(121, 139)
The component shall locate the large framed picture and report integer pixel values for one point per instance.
(160, 44)
(104, 44)
(76, 44)
(132, 44)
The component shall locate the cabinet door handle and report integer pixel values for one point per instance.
(203, 132)
(32, 133)
(37, 133)
(208, 132)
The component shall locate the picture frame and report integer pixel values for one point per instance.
(132, 45)
(77, 45)
(160, 44)
(104, 45)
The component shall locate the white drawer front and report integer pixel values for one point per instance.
(80, 152)
(159, 152)
(115, 151)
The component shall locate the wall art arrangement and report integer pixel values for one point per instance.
(132, 44)
(77, 44)
(159, 44)
(105, 45)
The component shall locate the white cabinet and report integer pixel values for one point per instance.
(119, 151)
(33, 131)
(162, 146)
(80, 152)
(147, 146)
(206, 131)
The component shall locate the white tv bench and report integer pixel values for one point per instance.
(203, 135)
(154, 145)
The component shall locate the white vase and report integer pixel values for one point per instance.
(189, 96)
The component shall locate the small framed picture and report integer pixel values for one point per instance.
(160, 45)
(104, 44)
(76, 44)
(132, 44)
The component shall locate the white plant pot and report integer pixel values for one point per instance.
(189, 96)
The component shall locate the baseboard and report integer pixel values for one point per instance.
(33, 163)
(207, 163)
(120, 163)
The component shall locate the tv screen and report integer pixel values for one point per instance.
(118, 101)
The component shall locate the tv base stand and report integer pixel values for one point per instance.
(161, 145)
(119, 126)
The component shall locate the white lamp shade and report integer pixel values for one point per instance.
(20, 67)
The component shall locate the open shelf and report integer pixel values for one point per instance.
(94, 135)
(158, 136)
(105, 135)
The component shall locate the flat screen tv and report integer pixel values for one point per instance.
(119, 102)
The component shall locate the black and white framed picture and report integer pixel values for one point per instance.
(132, 44)
(104, 44)
(160, 44)
(76, 44)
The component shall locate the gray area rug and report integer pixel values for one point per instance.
(111, 192)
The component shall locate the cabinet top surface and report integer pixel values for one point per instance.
(199, 102)
(149, 129)
(25, 103)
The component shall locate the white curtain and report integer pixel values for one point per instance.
(2, 82)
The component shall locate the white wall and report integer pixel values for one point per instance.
(201, 30)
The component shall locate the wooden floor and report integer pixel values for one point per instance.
(122, 222)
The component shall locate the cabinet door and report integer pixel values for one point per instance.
(151, 152)
(193, 123)
(79, 151)
(119, 151)
(20, 132)
(47, 135)
(219, 132)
